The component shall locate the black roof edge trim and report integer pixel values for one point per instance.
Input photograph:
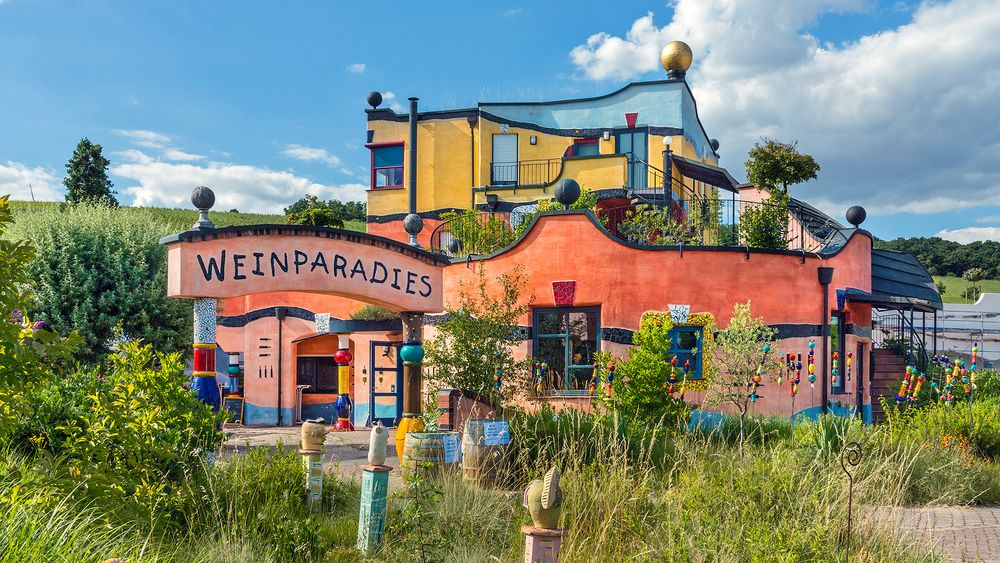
(338, 234)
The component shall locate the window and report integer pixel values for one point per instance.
(387, 166)
(318, 372)
(685, 345)
(837, 383)
(586, 147)
(566, 339)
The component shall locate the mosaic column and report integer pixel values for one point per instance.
(344, 406)
(412, 353)
(204, 384)
(371, 520)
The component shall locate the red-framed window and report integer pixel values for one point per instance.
(387, 165)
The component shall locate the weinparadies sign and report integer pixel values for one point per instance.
(235, 261)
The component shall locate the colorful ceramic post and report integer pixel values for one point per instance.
(371, 518)
(234, 371)
(412, 353)
(344, 405)
(313, 434)
(543, 499)
(203, 372)
(812, 363)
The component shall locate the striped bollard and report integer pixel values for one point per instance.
(344, 405)
(203, 373)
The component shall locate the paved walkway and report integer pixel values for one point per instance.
(345, 451)
(959, 533)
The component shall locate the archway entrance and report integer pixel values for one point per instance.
(273, 296)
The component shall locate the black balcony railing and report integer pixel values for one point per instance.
(525, 172)
(665, 221)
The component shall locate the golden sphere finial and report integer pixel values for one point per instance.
(676, 58)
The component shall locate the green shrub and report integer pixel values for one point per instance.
(96, 269)
(373, 313)
(131, 439)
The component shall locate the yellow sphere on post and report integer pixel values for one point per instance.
(676, 59)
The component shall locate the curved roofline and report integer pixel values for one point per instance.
(390, 115)
(305, 231)
(672, 248)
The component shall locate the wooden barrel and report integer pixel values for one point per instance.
(484, 451)
(429, 454)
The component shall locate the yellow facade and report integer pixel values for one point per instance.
(455, 163)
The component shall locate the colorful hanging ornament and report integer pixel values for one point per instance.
(811, 360)
(834, 379)
(850, 361)
(611, 376)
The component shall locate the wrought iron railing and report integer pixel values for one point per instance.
(525, 172)
(893, 330)
(472, 233)
(713, 221)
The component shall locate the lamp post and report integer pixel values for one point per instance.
(825, 277)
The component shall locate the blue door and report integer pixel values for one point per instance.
(633, 143)
(385, 384)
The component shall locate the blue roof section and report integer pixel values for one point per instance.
(665, 104)
(898, 274)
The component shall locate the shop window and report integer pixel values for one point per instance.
(566, 339)
(686, 345)
(318, 372)
(387, 166)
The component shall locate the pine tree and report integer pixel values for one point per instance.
(87, 176)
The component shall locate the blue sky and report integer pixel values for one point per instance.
(264, 101)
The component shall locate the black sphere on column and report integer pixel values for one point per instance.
(856, 215)
(374, 99)
(567, 192)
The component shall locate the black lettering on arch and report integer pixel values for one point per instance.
(359, 268)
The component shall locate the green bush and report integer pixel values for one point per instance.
(130, 439)
(97, 269)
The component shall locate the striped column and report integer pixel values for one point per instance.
(204, 384)
(344, 406)
(412, 354)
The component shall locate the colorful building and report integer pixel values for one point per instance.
(454, 191)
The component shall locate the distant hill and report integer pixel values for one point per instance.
(946, 258)
(177, 219)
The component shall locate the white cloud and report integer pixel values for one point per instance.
(897, 119)
(356, 68)
(19, 181)
(244, 187)
(301, 152)
(513, 12)
(989, 219)
(970, 234)
(390, 99)
(133, 101)
(177, 154)
(143, 138)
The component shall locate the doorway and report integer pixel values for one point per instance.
(385, 386)
(633, 143)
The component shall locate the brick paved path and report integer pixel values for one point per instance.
(960, 533)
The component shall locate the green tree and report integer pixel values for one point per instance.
(974, 276)
(87, 176)
(655, 226)
(776, 166)
(641, 385)
(479, 336)
(745, 350)
(310, 210)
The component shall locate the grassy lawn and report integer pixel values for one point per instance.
(178, 219)
(955, 287)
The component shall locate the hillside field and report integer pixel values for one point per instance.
(954, 290)
(178, 219)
